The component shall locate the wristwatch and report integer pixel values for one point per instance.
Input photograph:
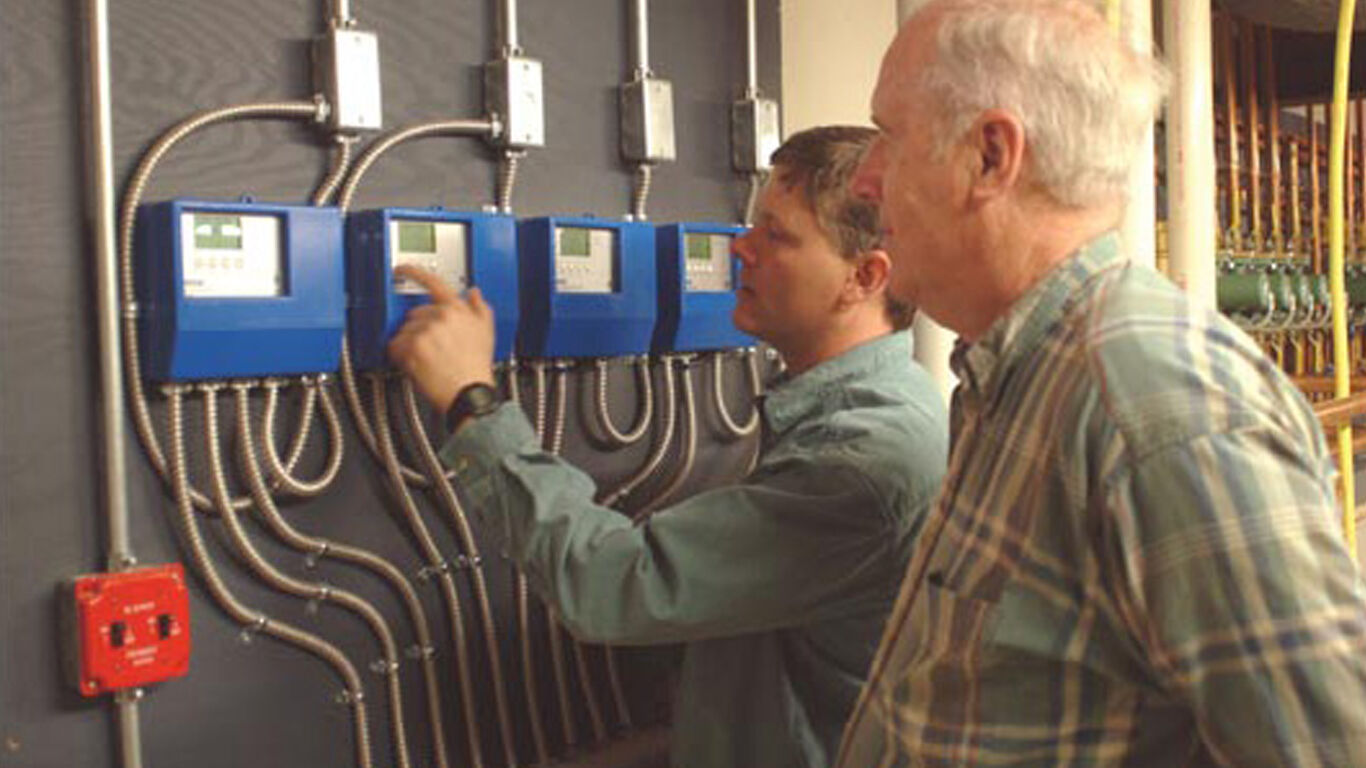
(474, 400)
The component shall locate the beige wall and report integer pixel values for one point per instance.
(831, 53)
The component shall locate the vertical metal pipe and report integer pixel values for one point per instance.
(507, 17)
(101, 160)
(751, 51)
(1190, 148)
(1138, 229)
(100, 157)
(1297, 245)
(1354, 234)
(640, 18)
(1315, 190)
(1273, 142)
(1247, 40)
(1235, 171)
(341, 14)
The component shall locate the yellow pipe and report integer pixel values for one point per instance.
(1336, 179)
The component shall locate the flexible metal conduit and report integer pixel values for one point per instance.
(661, 448)
(451, 503)
(1342, 370)
(689, 447)
(277, 580)
(615, 437)
(314, 390)
(318, 548)
(142, 418)
(568, 727)
(437, 567)
(254, 621)
(341, 162)
(580, 657)
(114, 457)
(734, 429)
(467, 128)
(522, 591)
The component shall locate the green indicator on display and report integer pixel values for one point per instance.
(574, 242)
(416, 237)
(699, 247)
(218, 231)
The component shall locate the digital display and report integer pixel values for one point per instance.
(699, 247)
(574, 242)
(416, 237)
(218, 231)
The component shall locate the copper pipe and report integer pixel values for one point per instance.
(1230, 84)
(1350, 166)
(1247, 35)
(1354, 216)
(1296, 200)
(1273, 142)
(1315, 190)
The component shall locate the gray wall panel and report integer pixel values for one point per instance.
(261, 702)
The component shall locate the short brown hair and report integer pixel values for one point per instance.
(821, 162)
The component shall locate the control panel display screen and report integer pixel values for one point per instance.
(707, 262)
(231, 256)
(441, 247)
(585, 260)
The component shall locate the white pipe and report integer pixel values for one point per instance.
(1138, 230)
(508, 17)
(100, 156)
(751, 51)
(1191, 216)
(101, 159)
(641, 22)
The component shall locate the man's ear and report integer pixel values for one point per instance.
(997, 139)
(869, 276)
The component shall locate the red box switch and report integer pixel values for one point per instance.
(130, 628)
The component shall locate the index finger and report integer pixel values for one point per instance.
(441, 293)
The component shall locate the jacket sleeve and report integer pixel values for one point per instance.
(802, 541)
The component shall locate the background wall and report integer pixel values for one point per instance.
(831, 55)
(261, 702)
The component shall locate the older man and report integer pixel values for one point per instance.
(780, 585)
(1135, 560)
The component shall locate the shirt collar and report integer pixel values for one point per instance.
(796, 398)
(982, 365)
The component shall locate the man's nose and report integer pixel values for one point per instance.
(743, 248)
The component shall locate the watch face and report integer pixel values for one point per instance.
(482, 399)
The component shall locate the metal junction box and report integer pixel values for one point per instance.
(465, 249)
(587, 288)
(755, 134)
(698, 275)
(513, 91)
(237, 290)
(346, 72)
(647, 120)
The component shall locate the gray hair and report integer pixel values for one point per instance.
(1084, 98)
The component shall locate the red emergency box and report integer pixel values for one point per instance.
(127, 629)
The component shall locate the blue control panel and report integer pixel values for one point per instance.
(465, 249)
(232, 290)
(698, 275)
(588, 287)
